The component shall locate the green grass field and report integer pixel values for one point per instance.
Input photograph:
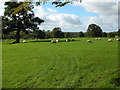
(75, 64)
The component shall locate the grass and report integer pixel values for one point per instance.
(74, 64)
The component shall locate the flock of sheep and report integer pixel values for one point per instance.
(57, 40)
(109, 40)
(88, 41)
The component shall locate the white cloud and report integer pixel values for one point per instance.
(108, 8)
(67, 22)
(40, 12)
(107, 14)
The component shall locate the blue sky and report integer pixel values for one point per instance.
(70, 9)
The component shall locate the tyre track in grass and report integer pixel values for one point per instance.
(68, 79)
(49, 74)
(64, 69)
(53, 82)
(77, 75)
(26, 82)
(49, 70)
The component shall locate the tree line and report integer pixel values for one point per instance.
(57, 33)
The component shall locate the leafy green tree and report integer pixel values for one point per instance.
(104, 34)
(67, 35)
(39, 34)
(22, 21)
(57, 33)
(94, 31)
(118, 33)
(81, 34)
(112, 34)
(48, 34)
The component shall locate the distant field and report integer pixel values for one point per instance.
(75, 64)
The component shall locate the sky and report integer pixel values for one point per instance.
(77, 16)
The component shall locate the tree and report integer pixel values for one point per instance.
(94, 31)
(57, 33)
(22, 21)
(67, 35)
(112, 34)
(104, 34)
(118, 33)
(48, 34)
(39, 34)
(81, 34)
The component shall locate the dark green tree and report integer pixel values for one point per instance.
(118, 33)
(94, 31)
(112, 34)
(67, 35)
(48, 34)
(39, 34)
(104, 34)
(57, 33)
(81, 34)
(22, 21)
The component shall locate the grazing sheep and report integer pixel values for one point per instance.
(53, 41)
(24, 41)
(89, 41)
(57, 40)
(67, 40)
(72, 40)
(96, 38)
(109, 40)
(117, 39)
(99, 38)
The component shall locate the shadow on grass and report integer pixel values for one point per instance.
(42, 41)
(14, 42)
(116, 81)
(50, 41)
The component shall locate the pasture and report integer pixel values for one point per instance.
(74, 64)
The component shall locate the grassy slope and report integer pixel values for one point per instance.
(74, 64)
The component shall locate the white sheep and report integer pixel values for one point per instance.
(72, 40)
(117, 39)
(96, 38)
(99, 38)
(89, 41)
(57, 40)
(24, 41)
(67, 40)
(53, 41)
(109, 40)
